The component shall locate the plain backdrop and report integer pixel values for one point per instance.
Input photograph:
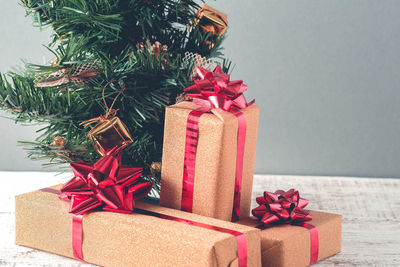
(325, 74)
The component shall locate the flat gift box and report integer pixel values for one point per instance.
(214, 181)
(289, 245)
(115, 239)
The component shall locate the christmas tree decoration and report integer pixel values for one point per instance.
(110, 132)
(155, 51)
(58, 141)
(291, 235)
(78, 74)
(197, 61)
(209, 149)
(211, 21)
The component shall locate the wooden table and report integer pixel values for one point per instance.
(370, 209)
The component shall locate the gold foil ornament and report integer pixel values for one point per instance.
(212, 21)
(110, 132)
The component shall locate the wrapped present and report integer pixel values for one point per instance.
(149, 236)
(291, 235)
(209, 149)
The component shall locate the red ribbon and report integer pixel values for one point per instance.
(287, 207)
(104, 185)
(77, 231)
(77, 228)
(192, 134)
(314, 247)
(213, 90)
(216, 88)
(77, 236)
(239, 164)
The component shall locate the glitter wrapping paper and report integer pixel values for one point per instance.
(214, 179)
(289, 245)
(116, 239)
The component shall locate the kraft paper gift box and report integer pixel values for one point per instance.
(215, 165)
(289, 245)
(116, 239)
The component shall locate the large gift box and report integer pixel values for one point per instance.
(287, 245)
(215, 162)
(150, 236)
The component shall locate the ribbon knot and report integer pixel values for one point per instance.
(106, 184)
(216, 89)
(281, 206)
(111, 113)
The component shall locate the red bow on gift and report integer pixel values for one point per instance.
(215, 87)
(281, 206)
(105, 183)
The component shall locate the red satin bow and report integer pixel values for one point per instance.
(281, 206)
(216, 88)
(105, 184)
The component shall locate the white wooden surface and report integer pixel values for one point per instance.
(370, 209)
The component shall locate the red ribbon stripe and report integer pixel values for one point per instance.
(241, 140)
(77, 236)
(314, 242)
(192, 136)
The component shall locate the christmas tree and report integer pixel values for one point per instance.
(132, 51)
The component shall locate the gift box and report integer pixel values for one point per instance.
(211, 20)
(150, 236)
(290, 245)
(215, 163)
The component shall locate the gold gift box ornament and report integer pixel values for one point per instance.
(211, 21)
(109, 132)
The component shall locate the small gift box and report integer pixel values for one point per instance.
(209, 149)
(290, 245)
(108, 134)
(292, 236)
(211, 20)
(149, 236)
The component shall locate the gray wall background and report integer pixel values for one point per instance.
(325, 74)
